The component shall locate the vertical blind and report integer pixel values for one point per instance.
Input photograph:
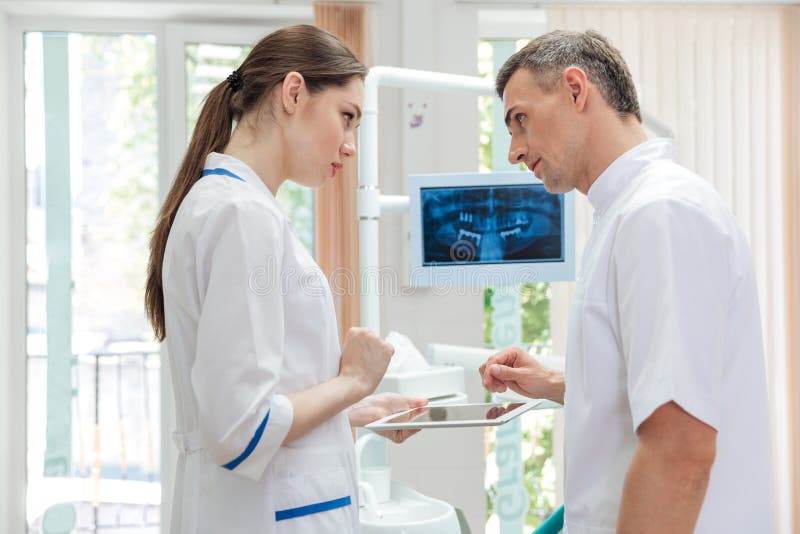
(335, 206)
(724, 80)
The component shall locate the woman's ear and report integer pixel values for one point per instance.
(291, 91)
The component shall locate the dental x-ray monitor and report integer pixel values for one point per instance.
(489, 229)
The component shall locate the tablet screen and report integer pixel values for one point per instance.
(455, 413)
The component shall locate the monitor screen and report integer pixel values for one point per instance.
(488, 230)
(490, 224)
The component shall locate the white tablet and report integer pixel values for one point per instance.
(453, 415)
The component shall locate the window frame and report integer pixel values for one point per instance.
(171, 36)
(505, 26)
(176, 36)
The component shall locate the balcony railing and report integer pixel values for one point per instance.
(114, 484)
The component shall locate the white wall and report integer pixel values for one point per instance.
(440, 36)
(794, 328)
(12, 419)
(5, 284)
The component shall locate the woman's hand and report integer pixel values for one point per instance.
(364, 360)
(375, 407)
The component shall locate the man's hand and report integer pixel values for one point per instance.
(374, 407)
(667, 479)
(513, 368)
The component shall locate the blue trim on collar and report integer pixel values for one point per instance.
(233, 464)
(282, 515)
(221, 171)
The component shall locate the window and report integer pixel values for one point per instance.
(92, 174)
(537, 427)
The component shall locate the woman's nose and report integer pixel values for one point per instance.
(348, 150)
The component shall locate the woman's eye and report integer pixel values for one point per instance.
(520, 117)
(349, 117)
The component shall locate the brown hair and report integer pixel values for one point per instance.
(550, 54)
(323, 61)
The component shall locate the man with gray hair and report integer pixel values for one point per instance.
(664, 392)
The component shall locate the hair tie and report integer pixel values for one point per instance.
(235, 80)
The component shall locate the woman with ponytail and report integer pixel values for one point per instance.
(265, 398)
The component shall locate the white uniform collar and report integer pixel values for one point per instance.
(241, 170)
(619, 174)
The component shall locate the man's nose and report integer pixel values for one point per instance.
(516, 155)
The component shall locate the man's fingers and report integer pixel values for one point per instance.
(493, 385)
(490, 382)
(482, 371)
(504, 373)
(485, 378)
(499, 368)
(504, 357)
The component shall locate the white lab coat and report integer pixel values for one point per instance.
(665, 310)
(250, 319)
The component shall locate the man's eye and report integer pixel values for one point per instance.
(520, 117)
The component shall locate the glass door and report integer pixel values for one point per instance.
(91, 161)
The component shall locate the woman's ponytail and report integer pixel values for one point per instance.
(211, 134)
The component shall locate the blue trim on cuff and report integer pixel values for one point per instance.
(250, 446)
(221, 171)
(282, 515)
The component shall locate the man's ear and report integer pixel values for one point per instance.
(576, 82)
(291, 89)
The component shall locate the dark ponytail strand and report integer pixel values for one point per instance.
(211, 134)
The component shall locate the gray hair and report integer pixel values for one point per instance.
(550, 54)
